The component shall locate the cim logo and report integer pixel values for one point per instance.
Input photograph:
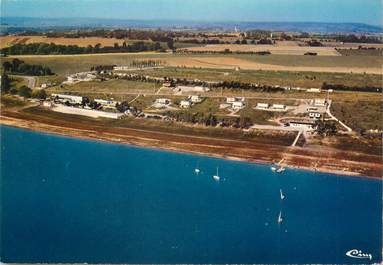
(358, 254)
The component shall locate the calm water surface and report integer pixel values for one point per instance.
(71, 200)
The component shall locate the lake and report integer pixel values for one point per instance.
(72, 201)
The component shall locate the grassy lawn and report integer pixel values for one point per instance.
(49, 79)
(258, 116)
(360, 115)
(114, 87)
(285, 78)
(67, 64)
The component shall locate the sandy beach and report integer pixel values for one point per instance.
(335, 162)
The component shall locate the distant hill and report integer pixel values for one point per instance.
(17, 24)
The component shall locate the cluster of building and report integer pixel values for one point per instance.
(184, 104)
(68, 99)
(81, 77)
(107, 104)
(195, 99)
(235, 103)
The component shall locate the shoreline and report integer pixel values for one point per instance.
(115, 139)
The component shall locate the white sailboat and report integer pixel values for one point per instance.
(216, 177)
(280, 219)
(281, 193)
(197, 170)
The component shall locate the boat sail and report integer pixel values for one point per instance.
(281, 193)
(216, 177)
(280, 219)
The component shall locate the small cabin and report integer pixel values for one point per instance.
(278, 107)
(185, 104)
(164, 101)
(315, 115)
(263, 105)
(238, 105)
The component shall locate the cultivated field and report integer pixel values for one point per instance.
(292, 49)
(66, 64)
(6, 41)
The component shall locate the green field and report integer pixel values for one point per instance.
(359, 114)
(285, 78)
(115, 88)
(66, 64)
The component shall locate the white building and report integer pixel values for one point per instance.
(313, 90)
(107, 103)
(195, 99)
(67, 99)
(231, 100)
(278, 107)
(78, 77)
(185, 104)
(263, 105)
(164, 101)
(47, 104)
(314, 115)
(121, 68)
(186, 89)
(238, 105)
(319, 102)
(302, 124)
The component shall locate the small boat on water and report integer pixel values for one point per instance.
(280, 219)
(197, 170)
(216, 177)
(280, 170)
(281, 193)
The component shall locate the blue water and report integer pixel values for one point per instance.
(70, 200)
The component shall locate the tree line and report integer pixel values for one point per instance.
(352, 88)
(51, 48)
(17, 66)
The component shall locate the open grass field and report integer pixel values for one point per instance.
(118, 89)
(360, 114)
(286, 78)
(66, 64)
(6, 41)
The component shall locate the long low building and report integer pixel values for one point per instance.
(308, 125)
(87, 112)
(68, 99)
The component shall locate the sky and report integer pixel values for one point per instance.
(362, 11)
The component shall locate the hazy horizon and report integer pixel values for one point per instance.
(317, 11)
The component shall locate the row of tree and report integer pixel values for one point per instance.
(45, 48)
(352, 88)
(17, 66)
